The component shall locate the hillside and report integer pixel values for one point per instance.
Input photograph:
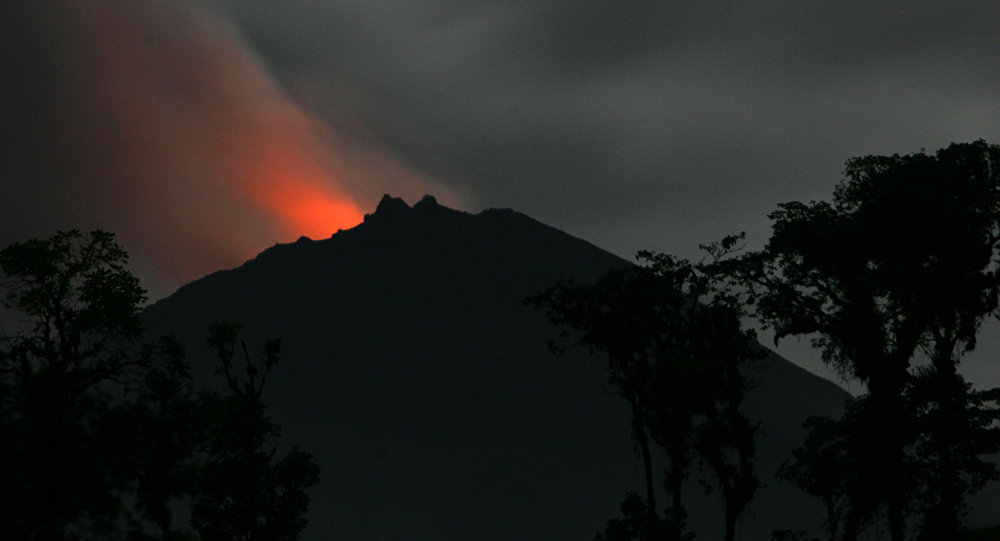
(428, 395)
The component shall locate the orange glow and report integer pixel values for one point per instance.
(299, 188)
(206, 160)
(308, 209)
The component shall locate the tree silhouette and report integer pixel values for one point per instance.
(104, 438)
(902, 262)
(674, 347)
(169, 413)
(957, 429)
(245, 493)
(709, 335)
(63, 458)
(820, 466)
(621, 315)
(639, 524)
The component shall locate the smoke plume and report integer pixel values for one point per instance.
(161, 124)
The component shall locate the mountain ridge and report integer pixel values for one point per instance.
(394, 213)
(424, 386)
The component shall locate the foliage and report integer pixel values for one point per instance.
(245, 493)
(64, 461)
(675, 348)
(169, 413)
(639, 524)
(958, 429)
(624, 314)
(103, 437)
(791, 535)
(820, 468)
(902, 262)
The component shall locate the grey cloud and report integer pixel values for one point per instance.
(644, 76)
(646, 124)
(636, 125)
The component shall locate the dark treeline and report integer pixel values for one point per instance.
(891, 280)
(107, 437)
(675, 349)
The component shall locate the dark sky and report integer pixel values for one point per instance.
(184, 126)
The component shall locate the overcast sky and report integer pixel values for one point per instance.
(633, 125)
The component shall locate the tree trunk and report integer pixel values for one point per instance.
(674, 482)
(677, 508)
(897, 520)
(832, 520)
(639, 432)
(852, 526)
(891, 426)
(647, 463)
(730, 534)
(941, 519)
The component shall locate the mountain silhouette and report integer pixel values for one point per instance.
(426, 391)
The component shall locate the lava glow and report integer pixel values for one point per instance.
(308, 208)
(300, 189)
(207, 159)
(175, 135)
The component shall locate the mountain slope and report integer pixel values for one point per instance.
(427, 393)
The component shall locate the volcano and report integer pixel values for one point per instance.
(426, 391)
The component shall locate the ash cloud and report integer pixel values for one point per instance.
(155, 120)
(643, 125)
(656, 125)
(665, 123)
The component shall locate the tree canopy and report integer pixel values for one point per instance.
(900, 266)
(675, 348)
(105, 437)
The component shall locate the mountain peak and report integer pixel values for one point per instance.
(389, 207)
(428, 201)
(412, 361)
(395, 210)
